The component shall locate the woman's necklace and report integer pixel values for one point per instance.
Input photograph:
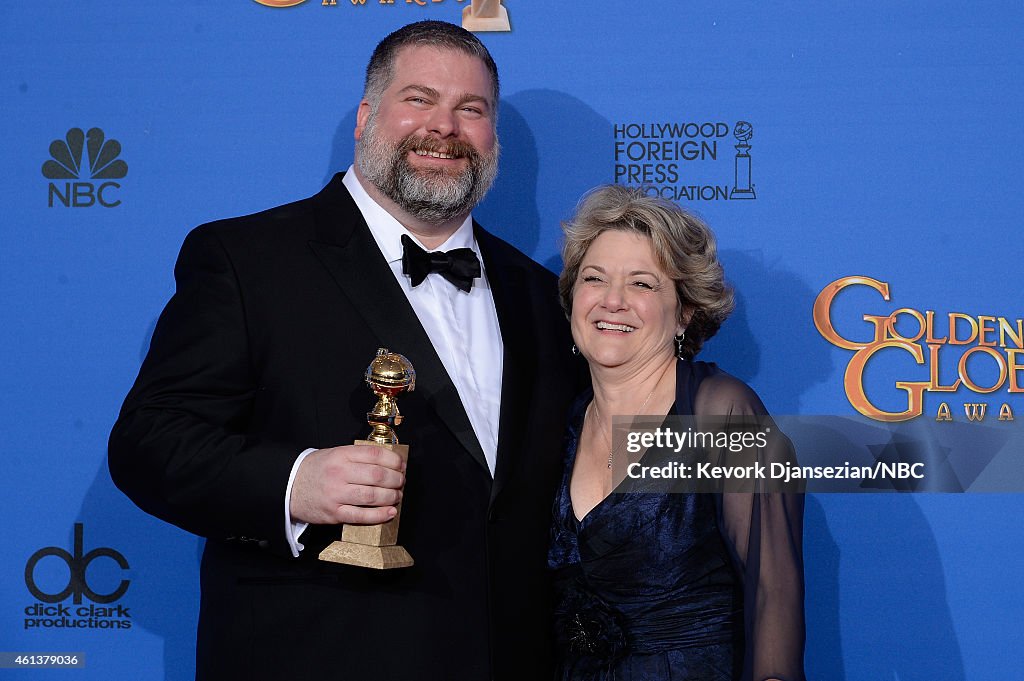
(597, 413)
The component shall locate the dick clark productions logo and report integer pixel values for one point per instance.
(85, 186)
(52, 612)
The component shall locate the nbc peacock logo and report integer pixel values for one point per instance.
(80, 188)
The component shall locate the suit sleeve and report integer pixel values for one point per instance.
(182, 448)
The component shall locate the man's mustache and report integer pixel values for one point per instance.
(453, 148)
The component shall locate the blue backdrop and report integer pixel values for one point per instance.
(879, 141)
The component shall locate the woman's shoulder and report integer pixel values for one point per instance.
(721, 393)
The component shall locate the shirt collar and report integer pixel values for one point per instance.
(387, 231)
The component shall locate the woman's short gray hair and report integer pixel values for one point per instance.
(683, 245)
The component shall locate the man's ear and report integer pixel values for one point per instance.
(362, 115)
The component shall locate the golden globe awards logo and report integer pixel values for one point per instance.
(477, 16)
(84, 186)
(51, 611)
(686, 160)
(954, 344)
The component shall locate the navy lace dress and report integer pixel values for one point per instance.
(659, 587)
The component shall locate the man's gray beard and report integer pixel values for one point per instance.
(432, 196)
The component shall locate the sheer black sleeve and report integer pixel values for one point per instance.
(765, 533)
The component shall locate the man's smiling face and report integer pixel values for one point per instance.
(429, 144)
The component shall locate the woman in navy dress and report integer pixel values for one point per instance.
(661, 585)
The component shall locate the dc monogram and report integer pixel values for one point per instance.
(77, 565)
(103, 164)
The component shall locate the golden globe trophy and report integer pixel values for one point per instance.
(376, 546)
(485, 15)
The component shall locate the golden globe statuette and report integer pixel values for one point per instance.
(485, 15)
(376, 546)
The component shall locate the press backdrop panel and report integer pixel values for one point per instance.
(821, 141)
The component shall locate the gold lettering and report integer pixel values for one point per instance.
(823, 310)
(921, 325)
(930, 322)
(854, 381)
(983, 330)
(953, 317)
(971, 385)
(975, 411)
(882, 327)
(1015, 365)
(1006, 330)
(933, 365)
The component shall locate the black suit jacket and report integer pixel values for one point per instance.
(260, 354)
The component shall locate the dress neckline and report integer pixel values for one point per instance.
(571, 467)
(686, 388)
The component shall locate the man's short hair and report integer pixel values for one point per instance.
(440, 34)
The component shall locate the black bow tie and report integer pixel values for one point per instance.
(459, 266)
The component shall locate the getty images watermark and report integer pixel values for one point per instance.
(795, 454)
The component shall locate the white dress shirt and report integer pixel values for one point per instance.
(462, 327)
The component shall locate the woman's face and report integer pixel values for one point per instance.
(624, 307)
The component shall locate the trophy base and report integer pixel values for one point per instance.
(498, 23)
(742, 194)
(376, 557)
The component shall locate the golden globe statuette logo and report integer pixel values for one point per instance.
(376, 546)
(742, 188)
(280, 3)
(999, 339)
(486, 15)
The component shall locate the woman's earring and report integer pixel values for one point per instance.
(679, 344)
(575, 350)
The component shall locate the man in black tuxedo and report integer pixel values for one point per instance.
(236, 426)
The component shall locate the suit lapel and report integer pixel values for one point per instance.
(345, 247)
(510, 290)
